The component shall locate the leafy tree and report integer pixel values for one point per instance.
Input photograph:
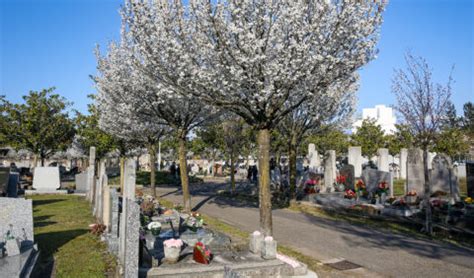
(329, 139)
(468, 118)
(252, 57)
(402, 138)
(370, 137)
(452, 142)
(40, 125)
(422, 104)
(451, 120)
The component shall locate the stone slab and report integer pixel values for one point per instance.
(20, 265)
(132, 240)
(415, 171)
(17, 215)
(46, 178)
(81, 182)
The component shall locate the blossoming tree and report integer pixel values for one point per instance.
(251, 57)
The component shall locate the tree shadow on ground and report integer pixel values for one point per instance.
(48, 244)
(363, 236)
(45, 202)
(40, 221)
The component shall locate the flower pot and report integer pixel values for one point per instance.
(172, 254)
(156, 231)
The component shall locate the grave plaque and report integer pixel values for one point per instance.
(443, 177)
(470, 179)
(415, 171)
(46, 179)
(348, 172)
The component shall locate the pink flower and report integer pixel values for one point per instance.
(176, 243)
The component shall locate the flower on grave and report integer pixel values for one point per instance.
(173, 243)
(97, 228)
(147, 207)
(360, 186)
(382, 187)
(341, 179)
(349, 194)
(257, 233)
(201, 253)
(154, 225)
(268, 238)
(411, 193)
(194, 222)
(468, 200)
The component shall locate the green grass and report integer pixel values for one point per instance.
(62, 233)
(162, 177)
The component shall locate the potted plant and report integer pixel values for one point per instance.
(360, 189)
(172, 248)
(411, 197)
(339, 186)
(349, 194)
(155, 228)
(201, 253)
(194, 222)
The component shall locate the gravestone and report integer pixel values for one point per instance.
(13, 182)
(16, 215)
(470, 179)
(127, 197)
(403, 163)
(81, 182)
(382, 160)
(132, 237)
(348, 172)
(46, 179)
(442, 176)
(113, 230)
(372, 178)
(329, 170)
(415, 171)
(91, 175)
(355, 159)
(4, 178)
(106, 203)
(313, 157)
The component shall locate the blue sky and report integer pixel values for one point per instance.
(48, 43)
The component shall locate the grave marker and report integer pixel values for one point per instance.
(329, 169)
(355, 159)
(382, 160)
(46, 179)
(415, 171)
(348, 172)
(403, 163)
(313, 157)
(442, 176)
(470, 179)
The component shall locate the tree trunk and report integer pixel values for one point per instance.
(122, 173)
(428, 220)
(183, 168)
(42, 159)
(232, 171)
(265, 198)
(292, 168)
(35, 161)
(152, 153)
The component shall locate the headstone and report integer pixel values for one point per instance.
(313, 157)
(81, 182)
(114, 212)
(382, 160)
(46, 179)
(16, 215)
(132, 237)
(13, 182)
(269, 248)
(348, 172)
(329, 169)
(431, 156)
(4, 178)
(99, 190)
(127, 197)
(415, 171)
(442, 176)
(470, 179)
(355, 159)
(256, 242)
(372, 178)
(91, 175)
(403, 163)
(105, 202)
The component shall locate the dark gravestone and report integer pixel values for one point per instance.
(348, 172)
(372, 178)
(442, 176)
(13, 181)
(4, 178)
(470, 179)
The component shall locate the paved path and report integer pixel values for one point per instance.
(387, 254)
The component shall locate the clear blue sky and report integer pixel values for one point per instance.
(50, 43)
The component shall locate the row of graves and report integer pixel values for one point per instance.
(18, 251)
(151, 240)
(370, 191)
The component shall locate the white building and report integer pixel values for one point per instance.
(382, 115)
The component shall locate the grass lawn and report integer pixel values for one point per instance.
(67, 248)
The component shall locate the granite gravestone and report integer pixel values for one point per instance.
(415, 171)
(4, 178)
(348, 172)
(442, 177)
(13, 182)
(132, 240)
(372, 178)
(16, 216)
(403, 163)
(355, 159)
(470, 179)
(46, 179)
(329, 170)
(81, 182)
(313, 157)
(127, 197)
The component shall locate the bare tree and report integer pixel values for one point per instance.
(422, 104)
